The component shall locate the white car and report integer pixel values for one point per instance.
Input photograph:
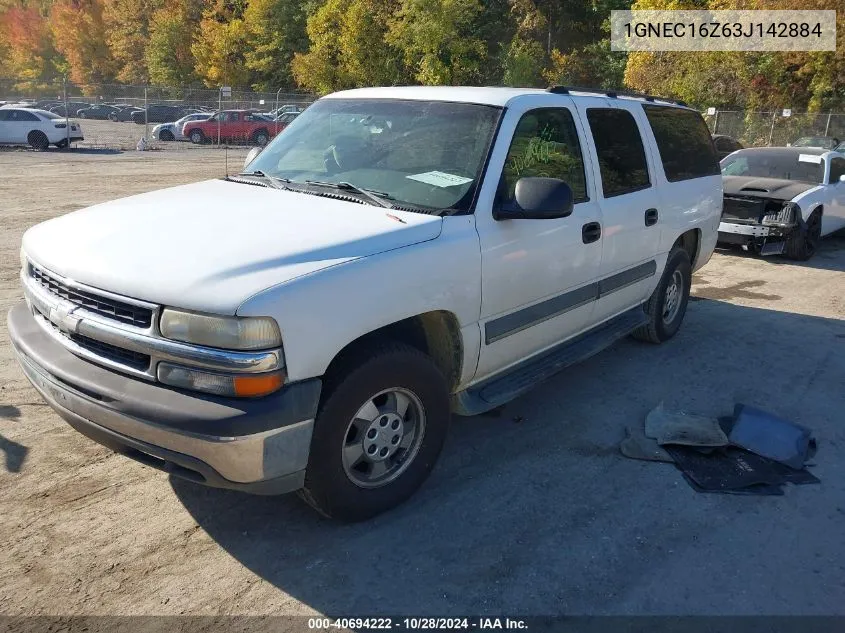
(38, 128)
(174, 131)
(397, 254)
(782, 200)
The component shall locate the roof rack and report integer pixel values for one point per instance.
(565, 90)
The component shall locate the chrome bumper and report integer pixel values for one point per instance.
(140, 419)
(752, 230)
(69, 318)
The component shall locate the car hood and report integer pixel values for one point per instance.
(772, 188)
(211, 245)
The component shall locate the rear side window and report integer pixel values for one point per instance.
(620, 151)
(685, 145)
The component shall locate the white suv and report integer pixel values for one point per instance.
(37, 128)
(396, 255)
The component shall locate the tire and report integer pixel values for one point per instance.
(63, 144)
(803, 243)
(166, 135)
(261, 137)
(197, 137)
(38, 140)
(342, 481)
(666, 307)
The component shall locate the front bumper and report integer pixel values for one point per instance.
(256, 445)
(740, 233)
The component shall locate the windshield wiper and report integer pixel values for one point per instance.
(377, 197)
(273, 181)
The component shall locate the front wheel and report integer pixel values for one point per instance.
(38, 140)
(803, 242)
(261, 138)
(197, 137)
(668, 303)
(378, 432)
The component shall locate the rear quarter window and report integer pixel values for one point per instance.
(684, 142)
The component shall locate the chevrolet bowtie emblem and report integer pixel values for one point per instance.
(64, 319)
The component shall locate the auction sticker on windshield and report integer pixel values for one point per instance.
(440, 179)
(809, 158)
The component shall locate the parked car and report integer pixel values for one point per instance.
(72, 108)
(725, 145)
(840, 148)
(37, 128)
(782, 200)
(822, 142)
(173, 131)
(124, 113)
(396, 254)
(98, 111)
(234, 125)
(158, 113)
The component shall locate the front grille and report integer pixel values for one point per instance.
(104, 306)
(135, 360)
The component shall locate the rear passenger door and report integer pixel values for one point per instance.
(630, 234)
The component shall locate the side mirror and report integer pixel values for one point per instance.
(255, 151)
(537, 199)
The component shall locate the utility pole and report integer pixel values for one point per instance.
(275, 110)
(67, 116)
(146, 116)
(827, 125)
(219, 113)
(772, 131)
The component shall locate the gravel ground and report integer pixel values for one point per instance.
(530, 511)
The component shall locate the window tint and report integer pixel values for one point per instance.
(21, 115)
(684, 142)
(4, 114)
(837, 169)
(620, 151)
(545, 144)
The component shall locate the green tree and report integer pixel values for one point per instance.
(127, 33)
(438, 40)
(220, 46)
(170, 60)
(275, 33)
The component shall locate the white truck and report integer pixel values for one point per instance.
(396, 255)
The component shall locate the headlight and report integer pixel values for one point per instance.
(236, 333)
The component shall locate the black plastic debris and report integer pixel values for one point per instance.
(770, 436)
(733, 470)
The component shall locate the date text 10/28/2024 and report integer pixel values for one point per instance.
(418, 623)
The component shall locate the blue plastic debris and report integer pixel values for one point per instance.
(767, 435)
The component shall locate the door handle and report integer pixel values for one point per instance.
(590, 232)
(650, 217)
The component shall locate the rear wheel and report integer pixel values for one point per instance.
(38, 140)
(261, 137)
(668, 302)
(803, 243)
(378, 433)
(197, 137)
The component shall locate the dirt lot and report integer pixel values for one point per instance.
(531, 511)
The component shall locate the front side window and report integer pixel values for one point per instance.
(545, 144)
(837, 169)
(684, 142)
(422, 154)
(620, 151)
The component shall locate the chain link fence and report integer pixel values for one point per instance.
(763, 129)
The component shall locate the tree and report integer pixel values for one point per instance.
(319, 69)
(26, 48)
(170, 61)
(128, 31)
(221, 44)
(438, 40)
(275, 33)
(79, 33)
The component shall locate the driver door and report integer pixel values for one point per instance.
(538, 283)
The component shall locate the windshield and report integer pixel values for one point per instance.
(426, 154)
(781, 165)
(824, 142)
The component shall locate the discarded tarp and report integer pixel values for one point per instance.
(752, 452)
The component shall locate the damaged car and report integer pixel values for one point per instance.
(782, 200)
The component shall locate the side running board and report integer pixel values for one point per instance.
(502, 388)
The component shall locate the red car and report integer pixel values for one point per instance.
(234, 125)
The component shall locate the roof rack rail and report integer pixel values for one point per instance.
(564, 90)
